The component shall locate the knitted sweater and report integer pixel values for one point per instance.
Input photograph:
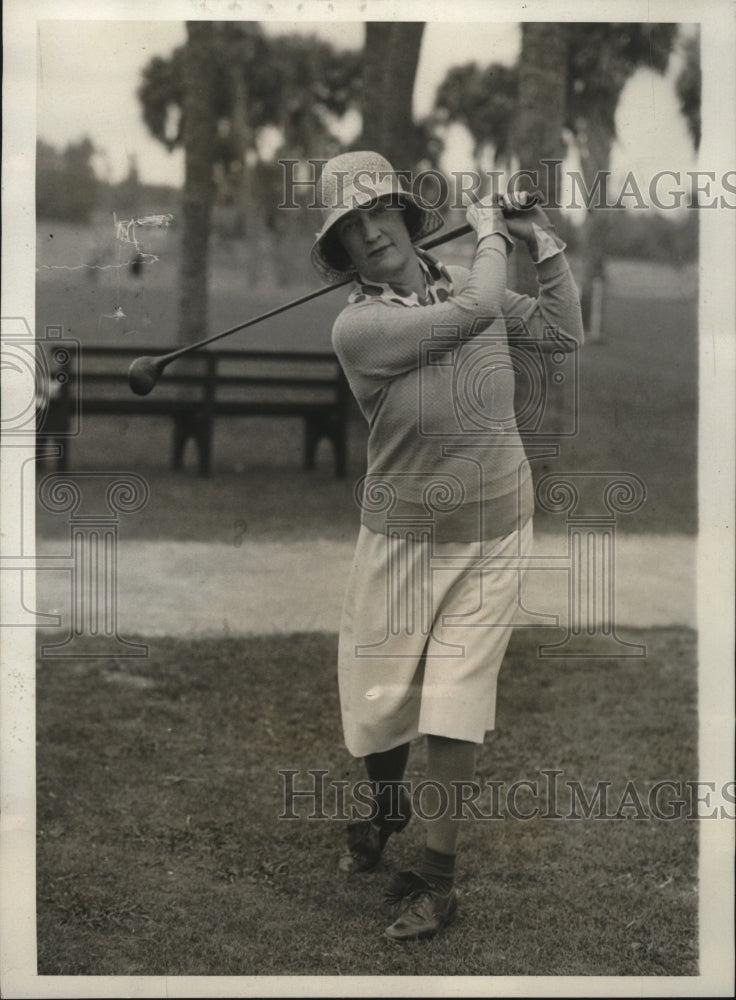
(435, 380)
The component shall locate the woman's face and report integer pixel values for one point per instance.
(377, 240)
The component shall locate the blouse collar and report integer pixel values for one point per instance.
(438, 286)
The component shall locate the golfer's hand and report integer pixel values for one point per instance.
(531, 226)
(486, 218)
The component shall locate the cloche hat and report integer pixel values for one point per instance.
(354, 180)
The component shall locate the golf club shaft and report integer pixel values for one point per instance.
(145, 372)
(166, 359)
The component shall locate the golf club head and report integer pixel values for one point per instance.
(143, 375)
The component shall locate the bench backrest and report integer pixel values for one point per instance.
(210, 377)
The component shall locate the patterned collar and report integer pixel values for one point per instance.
(438, 286)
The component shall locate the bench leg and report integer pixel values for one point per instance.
(203, 437)
(42, 458)
(312, 436)
(340, 446)
(186, 426)
(315, 429)
(182, 433)
(63, 460)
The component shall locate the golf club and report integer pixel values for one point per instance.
(145, 372)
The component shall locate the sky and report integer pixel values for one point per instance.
(88, 72)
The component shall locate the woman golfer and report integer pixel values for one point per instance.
(446, 504)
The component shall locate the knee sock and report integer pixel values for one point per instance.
(438, 869)
(448, 762)
(385, 770)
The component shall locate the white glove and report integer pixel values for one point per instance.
(533, 227)
(487, 219)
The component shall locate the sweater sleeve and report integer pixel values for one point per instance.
(553, 319)
(377, 340)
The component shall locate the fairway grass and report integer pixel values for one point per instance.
(161, 851)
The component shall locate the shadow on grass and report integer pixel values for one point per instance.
(161, 851)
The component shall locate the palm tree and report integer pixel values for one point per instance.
(536, 136)
(537, 133)
(687, 87)
(391, 57)
(540, 112)
(602, 59)
(198, 125)
(569, 77)
(484, 101)
(216, 95)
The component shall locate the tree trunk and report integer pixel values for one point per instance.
(595, 158)
(540, 118)
(390, 66)
(537, 136)
(199, 189)
(242, 141)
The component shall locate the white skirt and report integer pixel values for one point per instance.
(424, 630)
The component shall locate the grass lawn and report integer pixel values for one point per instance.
(161, 851)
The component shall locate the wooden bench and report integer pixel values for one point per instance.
(210, 384)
